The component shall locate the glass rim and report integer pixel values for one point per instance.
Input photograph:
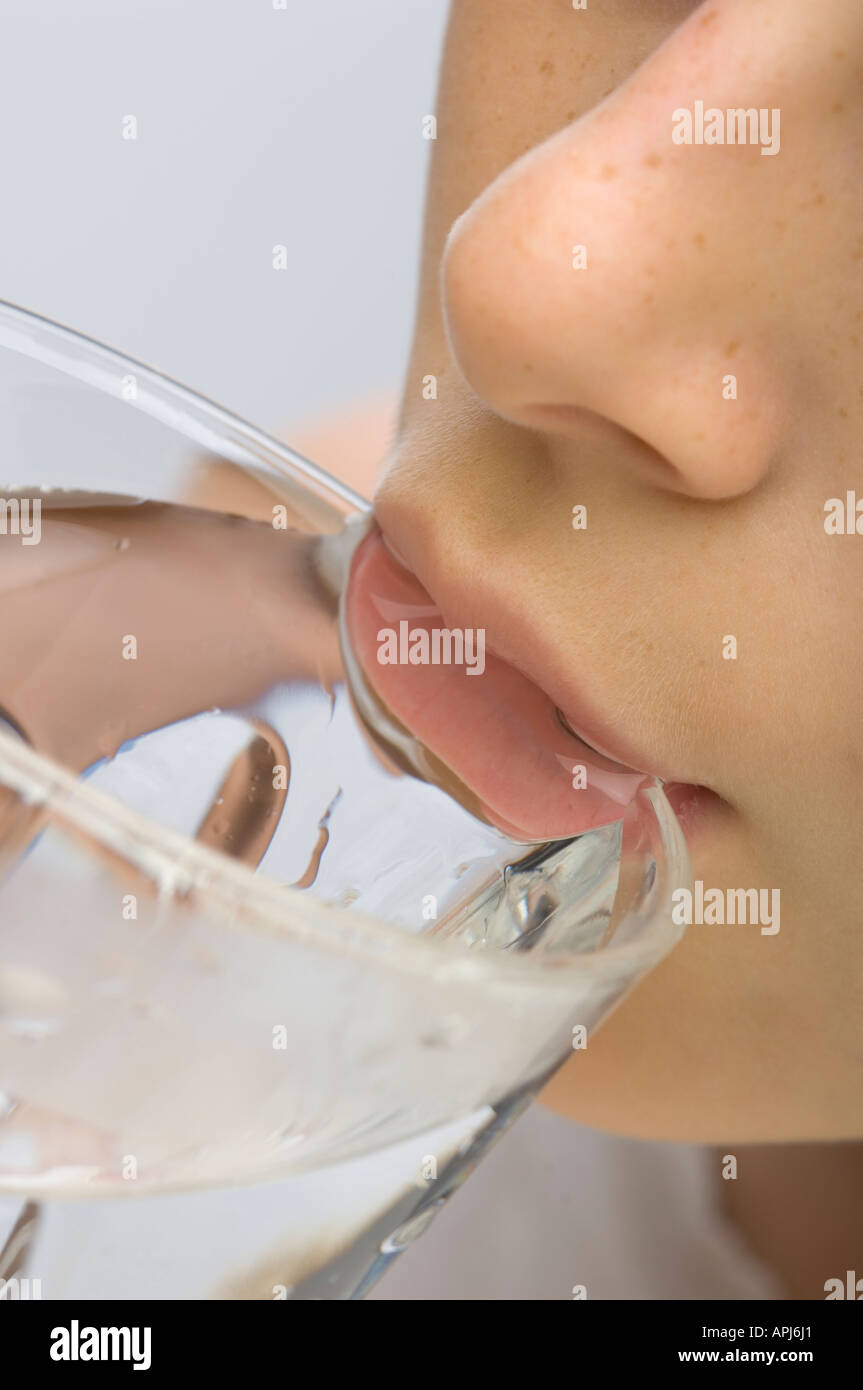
(184, 410)
(255, 902)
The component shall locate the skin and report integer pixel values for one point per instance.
(603, 387)
(706, 516)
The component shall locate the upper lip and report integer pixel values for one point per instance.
(510, 637)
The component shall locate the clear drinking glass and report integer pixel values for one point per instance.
(265, 1000)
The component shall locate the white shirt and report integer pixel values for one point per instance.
(556, 1205)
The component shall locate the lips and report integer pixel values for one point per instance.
(496, 731)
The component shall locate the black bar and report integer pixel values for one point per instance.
(250, 1339)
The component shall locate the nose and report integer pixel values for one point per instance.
(615, 279)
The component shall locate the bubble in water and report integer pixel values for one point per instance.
(411, 1229)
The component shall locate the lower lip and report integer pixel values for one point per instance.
(698, 809)
(495, 730)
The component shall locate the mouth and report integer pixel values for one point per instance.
(487, 731)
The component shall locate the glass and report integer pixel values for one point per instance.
(265, 1000)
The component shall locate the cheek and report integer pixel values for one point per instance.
(729, 1038)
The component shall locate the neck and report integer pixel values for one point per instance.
(800, 1209)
